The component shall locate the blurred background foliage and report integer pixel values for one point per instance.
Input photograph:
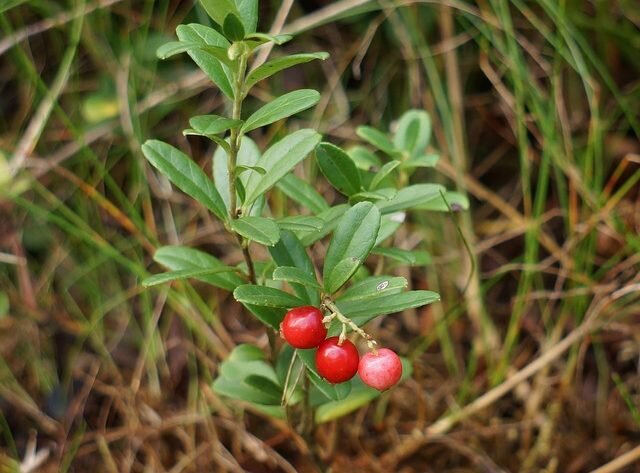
(535, 114)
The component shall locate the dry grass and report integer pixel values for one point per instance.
(529, 364)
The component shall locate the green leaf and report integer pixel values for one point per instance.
(219, 9)
(360, 396)
(456, 201)
(260, 229)
(217, 71)
(279, 159)
(183, 274)
(422, 161)
(246, 352)
(331, 391)
(364, 159)
(363, 310)
(273, 66)
(353, 239)
(290, 252)
(266, 297)
(271, 316)
(248, 155)
(373, 286)
(242, 392)
(233, 28)
(176, 47)
(240, 168)
(410, 197)
(387, 193)
(301, 223)
(383, 173)
(262, 38)
(248, 13)
(331, 218)
(377, 139)
(303, 193)
(282, 107)
(410, 257)
(338, 168)
(265, 385)
(295, 275)
(389, 224)
(413, 132)
(212, 124)
(185, 174)
(181, 258)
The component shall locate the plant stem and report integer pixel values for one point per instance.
(234, 141)
(234, 147)
(346, 322)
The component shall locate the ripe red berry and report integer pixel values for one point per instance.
(337, 363)
(380, 370)
(302, 327)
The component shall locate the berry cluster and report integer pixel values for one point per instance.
(337, 359)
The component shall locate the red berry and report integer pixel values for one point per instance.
(337, 363)
(381, 369)
(302, 327)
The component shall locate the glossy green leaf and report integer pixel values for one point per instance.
(243, 392)
(455, 200)
(364, 159)
(265, 385)
(217, 71)
(381, 194)
(279, 159)
(266, 297)
(383, 173)
(413, 132)
(246, 352)
(362, 311)
(353, 239)
(336, 409)
(331, 391)
(248, 13)
(281, 107)
(410, 257)
(181, 258)
(271, 316)
(183, 274)
(185, 174)
(260, 229)
(303, 193)
(377, 139)
(411, 197)
(373, 286)
(359, 396)
(290, 252)
(301, 223)
(256, 39)
(422, 161)
(331, 217)
(248, 155)
(389, 224)
(233, 28)
(338, 168)
(295, 275)
(273, 66)
(212, 124)
(219, 9)
(176, 47)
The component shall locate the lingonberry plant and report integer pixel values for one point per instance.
(309, 373)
